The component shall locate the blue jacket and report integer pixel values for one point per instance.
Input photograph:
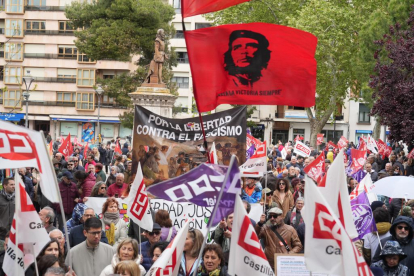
(255, 197)
(145, 248)
(76, 236)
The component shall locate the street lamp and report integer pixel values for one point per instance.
(99, 91)
(27, 82)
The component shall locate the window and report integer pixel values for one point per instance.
(107, 100)
(66, 97)
(85, 101)
(13, 75)
(14, 6)
(65, 27)
(331, 135)
(202, 25)
(182, 57)
(179, 34)
(35, 26)
(82, 58)
(37, 3)
(13, 51)
(66, 74)
(182, 82)
(14, 27)
(67, 52)
(300, 132)
(12, 98)
(86, 77)
(364, 116)
(177, 6)
(296, 108)
(108, 77)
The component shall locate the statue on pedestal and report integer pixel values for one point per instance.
(154, 75)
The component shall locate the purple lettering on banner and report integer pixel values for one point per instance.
(362, 214)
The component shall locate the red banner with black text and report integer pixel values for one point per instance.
(194, 7)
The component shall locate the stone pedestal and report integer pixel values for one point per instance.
(154, 97)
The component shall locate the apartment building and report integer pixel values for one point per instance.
(37, 40)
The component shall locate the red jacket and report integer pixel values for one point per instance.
(87, 185)
(69, 193)
(115, 189)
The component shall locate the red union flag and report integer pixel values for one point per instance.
(358, 160)
(381, 146)
(139, 209)
(255, 63)
(330, 249)
(319, 139)
(343, 142)
(301, 149)
(85, 150)
(194, 7)
(66, 147)
(22, 147)
(316, 169)
(257, 164)
(118, 148)
(362, 145)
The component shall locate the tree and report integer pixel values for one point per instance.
(393, 83)
(336, 24)
(117, 30)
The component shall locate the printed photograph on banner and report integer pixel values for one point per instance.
(88, 132)
(167, 148)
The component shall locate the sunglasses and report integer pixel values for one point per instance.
(102, 188)
(269, 194)
(282, 183)
(273, 216)
(400, 227)
(154, 233)
(70, 164)
(76, 161)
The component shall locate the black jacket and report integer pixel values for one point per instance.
(76, 236)
(103, 155)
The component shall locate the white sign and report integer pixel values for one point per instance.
(292, 265)
(302, 149)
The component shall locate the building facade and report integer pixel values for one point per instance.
(37, 40)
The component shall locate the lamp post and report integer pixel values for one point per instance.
(99, 91)
(27, 82)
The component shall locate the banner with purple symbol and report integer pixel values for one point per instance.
(362, 214)
(202, 186)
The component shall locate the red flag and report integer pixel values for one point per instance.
(319, 139)
(296, 138)
(255, 63)
(381, 146)
(118, 148)
(387, 151)
(342, 142)
(316, 169)
(194, 7)
(411, 154)
(66, 147)
(85, 150)
(362, 145)
(330, 144)
(51, 148)
(358, 159)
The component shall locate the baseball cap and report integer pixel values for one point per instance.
(68, 175)
(276, 211)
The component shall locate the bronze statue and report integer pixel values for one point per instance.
(154, 75)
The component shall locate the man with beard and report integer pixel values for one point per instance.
(247, 56)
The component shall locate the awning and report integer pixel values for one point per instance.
(14, 117)
(84, 119)
(364, 131)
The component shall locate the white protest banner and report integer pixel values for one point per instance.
(257, 164)
(302, 149)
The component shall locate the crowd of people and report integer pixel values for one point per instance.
(106, 245)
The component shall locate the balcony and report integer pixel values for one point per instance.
(45, 8)
(48, 32)
(61, 80)
(51, 56)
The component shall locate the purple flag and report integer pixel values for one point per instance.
(362, 214)
(250, 151)
(202, 186)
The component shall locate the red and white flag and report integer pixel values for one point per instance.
(381, 146)
(316, 169)
(118, 148)
(387, 151)
(30, 237)
(66, 147)
(319, 139)
(194, 7)
(372, 144)
(330, 144)
(246, 255)
(328, 247)
(85, 150)
(213, 154)
(335, 190)
(138, 203)
(257, 164)
(51, 148)
(411, 154)
(359, 158)
(252, 64)
(362, 145)
(365, 185)
(169, 262)
(343, 142)
(22, 147)
(302, 149)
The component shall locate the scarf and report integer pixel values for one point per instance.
(202, 271)
(249, 191)
(383, 227)
(9, 197)
(110, 219)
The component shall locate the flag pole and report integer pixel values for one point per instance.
(62, 211)
(34, 254)
(379, 240)
(139, 238)
(233, 157)
(16, 218)
(264, 205)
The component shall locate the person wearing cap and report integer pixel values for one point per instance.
(69, 193)
(268, 232)
(391, 257)
(252, 192)
(153, 237)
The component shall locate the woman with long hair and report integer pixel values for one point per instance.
(127, 251)
(99, 190)
(283, 196)
(192, 248)
(46, 262)
(267, 200)
(115, 228)
(168, 231)
(51, 248)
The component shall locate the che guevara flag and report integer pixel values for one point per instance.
(252, 64)
(194, 7)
